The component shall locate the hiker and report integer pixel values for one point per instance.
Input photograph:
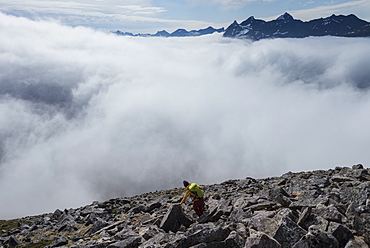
(197, 193)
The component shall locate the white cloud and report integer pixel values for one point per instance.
(107, 15)
(139, 10)
(112, 15)
(86, 115)
(227, 4)
(361, 8)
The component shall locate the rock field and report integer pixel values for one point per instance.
(323, 208)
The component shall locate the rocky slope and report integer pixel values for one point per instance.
(308, 209)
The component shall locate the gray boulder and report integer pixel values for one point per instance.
(356, 242)
(174, 218)
(239, 215)
(222, 208)
(341, 233)
(98, 224)
(234, 240)
(149, 232)
(261, 240)
(11, 242)
(60, 241)
(288, 232)
(130, 242)
(357, 166)
(263, 221)
(205, 233)
(317, 238)
(152, 206)
(329, 213)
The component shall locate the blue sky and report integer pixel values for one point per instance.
(149, 16)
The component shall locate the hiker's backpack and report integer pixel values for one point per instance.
(194, 188)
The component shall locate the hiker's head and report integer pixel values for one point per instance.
(186, 183)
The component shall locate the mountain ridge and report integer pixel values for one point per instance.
(177, 33)
(285, 26)
(321, 208)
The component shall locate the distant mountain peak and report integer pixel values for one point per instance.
(181, 32)
(286, 17)
(162, 33)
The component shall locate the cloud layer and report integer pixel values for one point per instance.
(86, 115)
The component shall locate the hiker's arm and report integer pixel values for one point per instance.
(185, 196)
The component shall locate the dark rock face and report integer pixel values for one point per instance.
(308, 209)
(287, 27)
(174, 218)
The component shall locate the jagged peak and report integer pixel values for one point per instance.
(250, 20)
(163, 31)
(207, 29)
(235, 23)
(286, 16)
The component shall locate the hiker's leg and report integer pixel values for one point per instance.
(195, 207)
(198, 207)
(198, 212)
(201, 206)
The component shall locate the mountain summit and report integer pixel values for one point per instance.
(286, 17)
(285, 26)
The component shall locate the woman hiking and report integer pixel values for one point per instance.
(196, 192)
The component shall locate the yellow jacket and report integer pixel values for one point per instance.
(187, 193)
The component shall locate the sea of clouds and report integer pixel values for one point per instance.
(88, 115)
